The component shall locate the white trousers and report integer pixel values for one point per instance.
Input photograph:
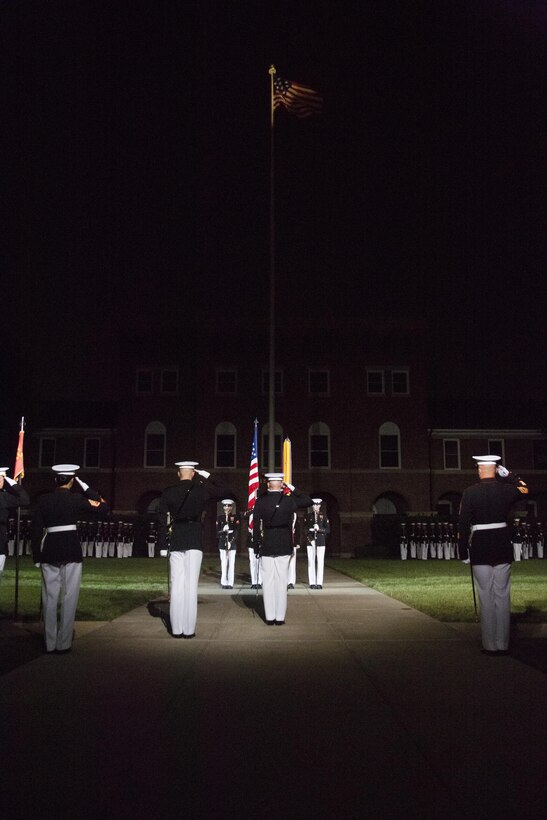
(540, 548)
(494, 588)
(119, 549)
(64, 581)
(404, 551)
(151, 549)
(517, 550)
(316, 565)
(291, 578)
(184, 570)
(11, 546)
(275, 573)
(227, 567)
(2, 563)
(254, 567)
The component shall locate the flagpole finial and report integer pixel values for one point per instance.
(256, 422)
(272, 69)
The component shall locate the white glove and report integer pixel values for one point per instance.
(163, 553)
(38, 565)
(203, 473)
(10, 481)
(82, 484)
(502, 471)
(312, 529)
(316, 527)
(226, 528)
(290, 486)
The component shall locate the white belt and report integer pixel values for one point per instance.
(64, 528)
(497, 526)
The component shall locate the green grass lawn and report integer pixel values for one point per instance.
(439, 588)
(443, 590)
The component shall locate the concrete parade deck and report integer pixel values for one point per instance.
(359, 707)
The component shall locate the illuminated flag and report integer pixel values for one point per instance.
(19, 469)
(287, 464)
(296, 98)
(253, 474)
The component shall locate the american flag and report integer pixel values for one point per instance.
(253, 475)
(296, 98)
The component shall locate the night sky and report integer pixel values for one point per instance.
(138, 179)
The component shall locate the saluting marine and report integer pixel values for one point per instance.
(227, 526)
(273, 516)
(184, 504)
(56, 548)
(317, 528)
(484, 533)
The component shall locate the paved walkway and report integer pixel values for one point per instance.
(358, 707)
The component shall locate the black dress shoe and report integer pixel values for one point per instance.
(193, 635)
(279, 623)
(63, 651)
(270, 623)
(502, 652)
(313, 586)
(319, 586)
(488, 652)
(291, 586)
(179, 635)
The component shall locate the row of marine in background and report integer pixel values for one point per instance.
(439, 540)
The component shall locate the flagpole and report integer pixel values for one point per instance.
(271, 393)
(19, 479)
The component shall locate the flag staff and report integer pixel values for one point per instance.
(19, 472)
(271, 389)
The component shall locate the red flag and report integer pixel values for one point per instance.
(253, 475)
(19, 469)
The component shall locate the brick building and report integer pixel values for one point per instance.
(352, 397)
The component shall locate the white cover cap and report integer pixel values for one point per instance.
(317, 500)
(189, 465)
(274, 476)
(490, 459)
(226, 501)
(66, 469)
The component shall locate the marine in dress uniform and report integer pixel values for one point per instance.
(56, 547)
(12, 495)
(485, 536)
(273, 517)
(184, 504)
(317, 528)
(227, 526)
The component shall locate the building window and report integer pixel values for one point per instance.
(92, 453)
(278, 433)
(375, 383)
(144, 382)
(225, 445)
(47, 452)
(451, 451)
(496, 447)
(319, 382)
(319, 445)
(226, 382)
(540, 454)
(154, 444)
(399, 383)
(390, 446)
(170, 381)
(278, 382)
